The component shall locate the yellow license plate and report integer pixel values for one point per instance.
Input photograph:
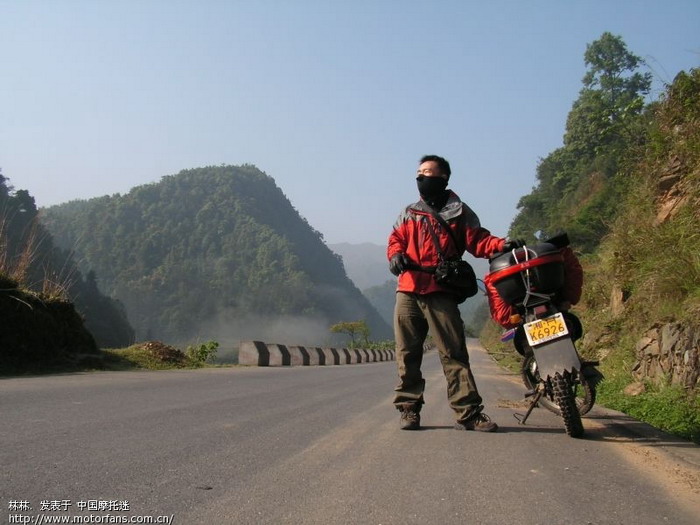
(545, 329)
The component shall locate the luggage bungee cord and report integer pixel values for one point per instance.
(525, 276)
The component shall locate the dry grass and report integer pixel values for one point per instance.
(16, 265)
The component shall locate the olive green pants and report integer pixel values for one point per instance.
(414, 316)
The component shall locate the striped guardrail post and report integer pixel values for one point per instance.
(258, 353)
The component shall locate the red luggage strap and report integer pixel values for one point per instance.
(525, 265)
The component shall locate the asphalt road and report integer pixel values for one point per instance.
(321, 445)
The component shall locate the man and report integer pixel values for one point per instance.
(423, 305)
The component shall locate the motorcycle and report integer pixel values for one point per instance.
(529, 278)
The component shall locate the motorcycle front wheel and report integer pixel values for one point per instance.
(583, 392)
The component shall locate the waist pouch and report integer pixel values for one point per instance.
(458, 276)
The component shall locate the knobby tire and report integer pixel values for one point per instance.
(584, 393)
(564, 396)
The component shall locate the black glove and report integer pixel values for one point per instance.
(512, 244)
(398, 263)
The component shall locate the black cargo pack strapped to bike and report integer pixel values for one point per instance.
(538, 268)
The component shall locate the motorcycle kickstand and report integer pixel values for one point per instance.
(533, 404)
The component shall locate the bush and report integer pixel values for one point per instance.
(381, 345)
(202, 353)
(151, 355)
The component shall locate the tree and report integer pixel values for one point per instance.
(579, 183)
(353, 329)
(613, 94)
(5, 187)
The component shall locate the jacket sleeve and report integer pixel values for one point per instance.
(500, 310)
(397, 239)
(573, 276)
(479, 241)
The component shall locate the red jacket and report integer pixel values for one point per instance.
(412, 237)
(573, 285)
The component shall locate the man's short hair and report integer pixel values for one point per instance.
(442, 164)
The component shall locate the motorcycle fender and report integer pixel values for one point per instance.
(556, 356)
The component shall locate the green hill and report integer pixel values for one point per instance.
(213, 253)
(626, 187)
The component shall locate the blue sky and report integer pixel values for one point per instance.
(336, 100)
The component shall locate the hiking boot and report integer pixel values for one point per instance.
(410, 420)
(480, 422)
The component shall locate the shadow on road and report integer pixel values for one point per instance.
(529, 428)
(502, 429)
(623, 428)
(602, 427)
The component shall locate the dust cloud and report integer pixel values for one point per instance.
(229, 329)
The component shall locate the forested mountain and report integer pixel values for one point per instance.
(31, 264)
(213, 253)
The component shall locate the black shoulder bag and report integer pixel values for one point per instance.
(455, 274)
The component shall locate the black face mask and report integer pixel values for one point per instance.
(431, 188)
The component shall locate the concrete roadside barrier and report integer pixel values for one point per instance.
(254, 353)
(279, 355)
(320, 356)
(298, 356)
(312, 356)
(350, 356)
(258, 353)
(332, 357)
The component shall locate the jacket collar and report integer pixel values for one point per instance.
(452, 208)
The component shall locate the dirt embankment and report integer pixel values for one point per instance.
(38, 333)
